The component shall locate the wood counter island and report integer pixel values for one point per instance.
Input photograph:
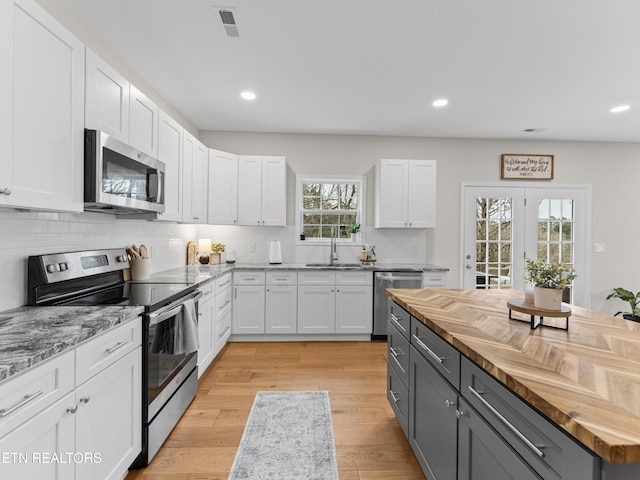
(585, 381)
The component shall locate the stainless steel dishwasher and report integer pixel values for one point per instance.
(384, 280)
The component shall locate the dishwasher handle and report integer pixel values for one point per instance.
(401, 278)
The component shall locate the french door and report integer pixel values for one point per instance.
(503, 225)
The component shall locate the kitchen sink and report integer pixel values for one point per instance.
(335, 265)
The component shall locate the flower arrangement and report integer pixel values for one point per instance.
(553, 275)
(217, 247)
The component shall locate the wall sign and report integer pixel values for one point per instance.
(526, 167)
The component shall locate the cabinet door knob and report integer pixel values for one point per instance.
(449, 403)
(5, 191)
(85, 399)
(72, 409)
(460, 413)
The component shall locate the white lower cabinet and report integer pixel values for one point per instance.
(248, 302)
(108, 419)
(281, 303)
(354, 309)
(316, 309)
(93, 431)
(222, 315)
(206, 312)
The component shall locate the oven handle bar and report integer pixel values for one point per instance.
(172, 309)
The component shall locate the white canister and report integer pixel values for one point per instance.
(275, 252)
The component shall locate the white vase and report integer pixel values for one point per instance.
(354, 237)
(548, 298)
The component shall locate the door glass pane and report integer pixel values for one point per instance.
(556, 234)
(494, 232)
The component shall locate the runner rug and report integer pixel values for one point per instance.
(289, 435)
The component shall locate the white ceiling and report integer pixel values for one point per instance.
(371, 67)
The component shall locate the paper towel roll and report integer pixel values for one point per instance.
(275, 252)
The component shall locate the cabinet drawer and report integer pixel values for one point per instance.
(398, 353)
(282, 278)
(223, 302)
(208, 291)
(354, 278)
(444, 357)
(399, 318)
(434, 279)
(316, 278)
(100, 352)
(248, 278)
(221, 331)
(26, 395)
(398, 397)
(548, 450)
(222, 282)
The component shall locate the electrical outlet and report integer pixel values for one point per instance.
(252, 248)
(599, 247)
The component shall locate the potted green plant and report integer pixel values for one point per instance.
(632, 298)
(549, 279)
(354, 229)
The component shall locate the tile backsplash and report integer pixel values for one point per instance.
(24, 233)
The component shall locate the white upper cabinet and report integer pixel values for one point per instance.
(42, 114)
(405, 194)
(143, 122)
(262, 190)
(107, 98)
(170, 135)
(194, 180)
(115, 106)
(223, 188)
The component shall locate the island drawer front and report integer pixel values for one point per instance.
(444, 357)
(248, 278)
(223, 282)
(103, 351)
(400, 319)
(398, 397)
(398, 353)
(282, 278)
(557, 457)
(223, 302)
(28, 394)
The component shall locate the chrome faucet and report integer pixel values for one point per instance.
(333, 253)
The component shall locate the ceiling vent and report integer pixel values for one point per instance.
(229, 23)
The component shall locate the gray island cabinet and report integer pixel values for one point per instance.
(461, 421)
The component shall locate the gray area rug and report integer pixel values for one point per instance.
(289, 435)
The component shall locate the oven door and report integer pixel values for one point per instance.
(172, 346)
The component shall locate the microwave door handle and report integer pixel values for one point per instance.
(160, 188)
(153, 182)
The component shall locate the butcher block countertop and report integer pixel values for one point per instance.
(586, 380)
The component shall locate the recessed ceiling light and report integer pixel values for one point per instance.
(248, 95)
(440, 103)
(620, 108)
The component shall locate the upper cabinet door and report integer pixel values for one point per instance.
(188, 155)
(223, 188)
(42, 129)
(421, 194)
(391, 193)
(249, 190)
(143, 122)
(274, 188)
(107, 98)
(194, 180)
(170, 135)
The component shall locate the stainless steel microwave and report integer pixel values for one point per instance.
(119, 178)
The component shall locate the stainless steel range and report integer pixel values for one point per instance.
(170, 378)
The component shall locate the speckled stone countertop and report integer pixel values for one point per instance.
(31, 335)
(201, 274)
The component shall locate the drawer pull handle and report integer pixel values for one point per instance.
(395, 357)
(438, 359)
(26, 399)
(225, 304)
(393, 395)
(397, 321)
(536, 448)
(117, 346)
(225, 331)
(225, 283)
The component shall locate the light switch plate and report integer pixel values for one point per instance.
(599, 247)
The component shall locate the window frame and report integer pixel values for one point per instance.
(361, 211)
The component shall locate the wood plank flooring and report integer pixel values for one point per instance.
(370, 444)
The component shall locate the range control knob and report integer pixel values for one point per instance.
(63, 266)
(51, 268)
(120, 259)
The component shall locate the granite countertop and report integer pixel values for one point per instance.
(31, 335)
(201, 274)
(585, 380)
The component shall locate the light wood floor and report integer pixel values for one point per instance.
(370, 444)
